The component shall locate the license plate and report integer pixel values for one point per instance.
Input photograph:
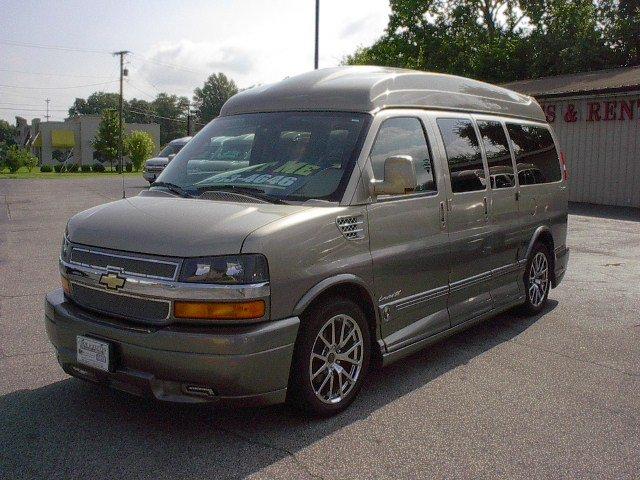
(93, 353)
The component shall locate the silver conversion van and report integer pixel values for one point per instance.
(153, 167)
(336, 220)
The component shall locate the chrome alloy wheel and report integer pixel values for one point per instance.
(538, 279)
(336, 359)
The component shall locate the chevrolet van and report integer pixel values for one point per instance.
(320, 226)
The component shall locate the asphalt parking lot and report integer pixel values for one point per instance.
(555, 396)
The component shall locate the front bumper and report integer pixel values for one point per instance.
(223, 364)
(150, 176)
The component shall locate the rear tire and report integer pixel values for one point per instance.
(537, 279)
(331, 357)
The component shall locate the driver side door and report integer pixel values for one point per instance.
(408, 237)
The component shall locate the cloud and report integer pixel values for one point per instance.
(357, 27)
(181, 66)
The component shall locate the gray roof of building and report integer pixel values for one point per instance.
(368, 89)
(600, 81)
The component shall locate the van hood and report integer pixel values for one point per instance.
(173, 226)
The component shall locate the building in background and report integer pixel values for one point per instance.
(71, 139)
(596, 117)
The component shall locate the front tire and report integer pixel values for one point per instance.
(331, 357)
(537, 279)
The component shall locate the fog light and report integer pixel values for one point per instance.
(219, 310)
(66, 285)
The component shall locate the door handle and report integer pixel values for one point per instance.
(443, 222)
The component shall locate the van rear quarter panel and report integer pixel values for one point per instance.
(305, 248)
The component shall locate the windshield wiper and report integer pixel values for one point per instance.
(250, 191)
(172, 187)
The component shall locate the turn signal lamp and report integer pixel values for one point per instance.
(66, 285)
(219, 310)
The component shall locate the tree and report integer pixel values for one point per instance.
(108, 136)
(140, 147)
(95, 104)
(138, 111)
(8, 133)
(208, 100)
(500, 40)
(170, 111)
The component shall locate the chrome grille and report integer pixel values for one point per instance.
(352, 227)
(118, 305)
(124, 262)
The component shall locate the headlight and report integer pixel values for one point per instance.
(225, 270)
(65, 251)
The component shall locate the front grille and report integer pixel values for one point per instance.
(130, 308)
(127, 263)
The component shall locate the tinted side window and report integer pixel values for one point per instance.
(496, 146)
(536, 156)
(404, 136)
(463, 154)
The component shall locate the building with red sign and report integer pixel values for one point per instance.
(596, 116)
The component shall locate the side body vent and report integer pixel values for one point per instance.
(352, 227)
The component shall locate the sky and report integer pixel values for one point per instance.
(175, 45)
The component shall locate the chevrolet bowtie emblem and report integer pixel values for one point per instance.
(112, 281)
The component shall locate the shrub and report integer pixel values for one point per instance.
(73, 168)
(85, 168)
(46, 168)
(58, 168)
(139, 146)
(14, 159)
(97, 167)
(129, 167)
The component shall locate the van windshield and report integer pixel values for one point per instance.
(171, 149)
(283, 155)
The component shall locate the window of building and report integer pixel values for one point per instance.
(537, 159)
(496, 147)
(463, 155)
(404, 136)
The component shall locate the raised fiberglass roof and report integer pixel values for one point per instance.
(368, 89)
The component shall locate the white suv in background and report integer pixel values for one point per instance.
(154, 166)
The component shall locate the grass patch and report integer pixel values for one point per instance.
(23, 173)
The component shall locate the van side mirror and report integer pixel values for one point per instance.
(170, 157)
(399, 177)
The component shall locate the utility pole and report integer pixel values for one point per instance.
(315, 63)
(47, 115)
(123, 72)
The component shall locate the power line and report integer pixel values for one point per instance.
(170, 65)
(52, 47)
(54, 74)
(140, 90)
(153, 115)
(59, 88)
(20, 104)
(34, 109)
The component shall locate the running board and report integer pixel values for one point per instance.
(390, 357)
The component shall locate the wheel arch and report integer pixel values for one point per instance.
(351, 287)
(543, 234)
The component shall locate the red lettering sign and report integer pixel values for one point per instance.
(594, 112)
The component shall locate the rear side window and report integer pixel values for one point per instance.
(463, 154)
(536, 156)
(404, 136)
(496, 147)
